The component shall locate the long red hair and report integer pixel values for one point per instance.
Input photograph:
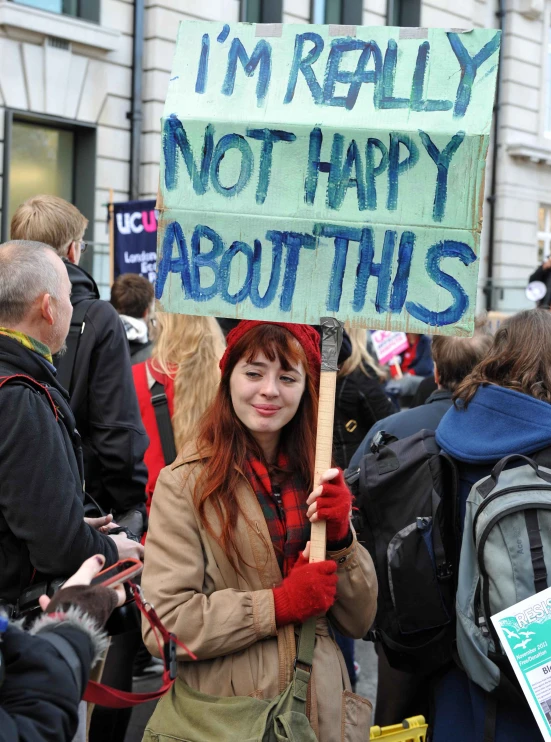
(229, 441)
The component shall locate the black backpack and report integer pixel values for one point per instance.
(406, 492)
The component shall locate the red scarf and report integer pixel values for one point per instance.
(285, 516)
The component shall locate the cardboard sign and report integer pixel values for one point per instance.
(325, 170)
(388, 344)
(135, 238)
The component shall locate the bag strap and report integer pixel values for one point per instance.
(536, 549)
(28, 381)
(103, 695)
(490, 483)
(303, 664)
(159, 401)
(65, 364)
(112, 698)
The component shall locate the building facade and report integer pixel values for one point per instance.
(83, 82)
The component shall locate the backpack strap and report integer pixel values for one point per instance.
(159, 401)
(28, 381)
(65, 364)
(536, 549)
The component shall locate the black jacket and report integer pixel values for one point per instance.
(545, 277)
(44, 683)
(104, 402)
(41, 491)
(360, 401)
(408, 422)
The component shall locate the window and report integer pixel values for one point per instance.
(404, 13)
(262, 11)
(348, 12)
(85, 9)
(544, 232)
(43, 155)
(42, 161)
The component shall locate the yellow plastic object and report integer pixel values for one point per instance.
(413, 729)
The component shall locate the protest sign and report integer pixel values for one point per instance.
(388, 344)
(524, 630)
(325, 170)
(135, 238)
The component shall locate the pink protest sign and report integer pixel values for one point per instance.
(388, 344)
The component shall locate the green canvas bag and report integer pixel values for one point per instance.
(186, 715)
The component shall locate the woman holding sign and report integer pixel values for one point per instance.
(227, 555)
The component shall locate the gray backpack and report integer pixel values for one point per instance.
(505, 558)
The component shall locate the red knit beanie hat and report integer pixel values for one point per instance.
(307, 336)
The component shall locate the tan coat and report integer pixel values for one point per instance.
(228, 619)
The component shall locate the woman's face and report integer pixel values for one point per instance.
(264, 396)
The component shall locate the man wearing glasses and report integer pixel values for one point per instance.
(95, 369)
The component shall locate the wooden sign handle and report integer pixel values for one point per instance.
(324, 448)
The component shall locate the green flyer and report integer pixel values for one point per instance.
(525, 633)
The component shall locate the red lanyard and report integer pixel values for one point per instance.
(103, 695)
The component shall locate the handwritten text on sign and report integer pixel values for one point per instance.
(306, 174)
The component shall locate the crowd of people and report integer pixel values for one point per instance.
(188, 443)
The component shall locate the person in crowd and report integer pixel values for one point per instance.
(45, 670)
(133, 297)
(184, 361)
(543, 274)
(183, 368)
(42, 528)
(226, 563)
(359, 402)
(416, 365)
(454, 358)
(416, 360)
(403, 694)
(360, 399)
(95, 369)
(502, 407)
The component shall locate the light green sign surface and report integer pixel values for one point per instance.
(309, 171)
(524, 630)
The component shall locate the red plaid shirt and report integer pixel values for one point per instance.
(285, 514)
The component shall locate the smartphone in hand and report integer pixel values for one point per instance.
(118, 573)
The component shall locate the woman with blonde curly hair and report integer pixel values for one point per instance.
(184, 360)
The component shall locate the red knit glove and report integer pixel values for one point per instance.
(308, 590)
(334, 506)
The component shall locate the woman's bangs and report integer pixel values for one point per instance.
(274, 342)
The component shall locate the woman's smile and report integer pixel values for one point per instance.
(266, 410)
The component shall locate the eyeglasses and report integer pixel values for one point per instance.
(83, 245)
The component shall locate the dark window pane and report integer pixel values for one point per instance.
(251, 10)
(262, 11)
(333, 11)
(405, 13)
(352, 12)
